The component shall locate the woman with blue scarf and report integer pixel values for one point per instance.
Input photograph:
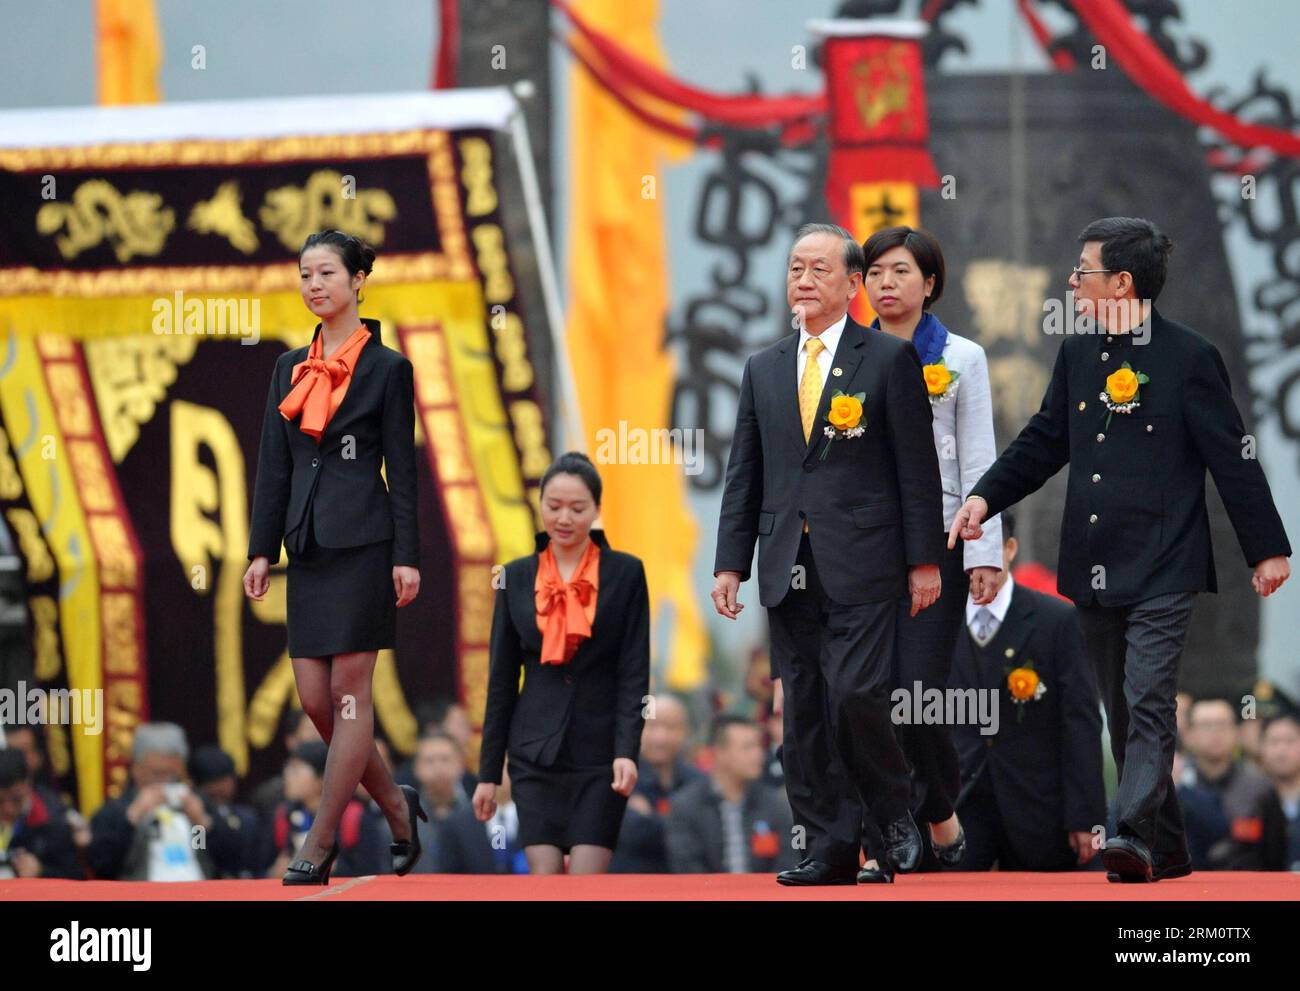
(904, 278)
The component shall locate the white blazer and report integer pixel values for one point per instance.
(963, 439)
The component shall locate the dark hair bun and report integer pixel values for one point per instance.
(357, 256)
(575, 463)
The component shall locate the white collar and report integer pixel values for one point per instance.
(998, 607)
(830, 336)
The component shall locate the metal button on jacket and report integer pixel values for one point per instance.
(315, 462)
(1100, 438)
(1092, 518)
(1096, 478)
(1082, 406)
(1105, 356)
(1150, 428)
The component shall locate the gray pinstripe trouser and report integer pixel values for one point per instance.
(1136, 649)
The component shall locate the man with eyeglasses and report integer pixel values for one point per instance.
(1140, 409)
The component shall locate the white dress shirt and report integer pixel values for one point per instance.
(826, 357)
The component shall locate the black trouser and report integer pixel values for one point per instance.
(1136, 649)
(839, 751)
(924, 648)
(987, 841)
(925, 645)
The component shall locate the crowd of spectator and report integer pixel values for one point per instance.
(709, 805)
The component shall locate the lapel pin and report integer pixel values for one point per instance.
(837, 371)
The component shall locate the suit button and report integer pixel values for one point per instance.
(1082, 406)
(1100, 438)
(1150, 427)
(1092, 518)
(1096, 478)
(1110, 340)
(315, 462)
(1105, 356)
(807, 467)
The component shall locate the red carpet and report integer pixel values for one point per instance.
(954, 886)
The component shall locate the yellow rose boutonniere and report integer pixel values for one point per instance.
(1122, 391)
(1025, 686)
(940, 381)
(844, 417)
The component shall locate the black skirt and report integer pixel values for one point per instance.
(340, 600)
(566, 804)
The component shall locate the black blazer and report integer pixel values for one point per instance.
(1143, 476)
(874, 506)
(351, 506)
(1045, 770)
(597, 697)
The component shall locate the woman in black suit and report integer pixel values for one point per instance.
(335, 409)
(576, 617)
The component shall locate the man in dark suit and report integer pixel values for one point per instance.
(1139, 408)
(1032, 789)
(466, 846)
(845, 526)
(730, 821)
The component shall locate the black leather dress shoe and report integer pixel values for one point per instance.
(903, 844)
(1163, 867)
(875, 875)
(1129, 859)
(812, 872)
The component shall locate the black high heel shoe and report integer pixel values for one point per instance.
(950, 855)
(305, 872)
(407, 852)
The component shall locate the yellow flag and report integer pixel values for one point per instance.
(618, 299)
(128, 51)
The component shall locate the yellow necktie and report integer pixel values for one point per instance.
(810, 391)
(810, 386)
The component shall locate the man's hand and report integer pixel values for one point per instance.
(26, 864)
(966, 523)
(1083, 846)
(984, 584)
(925, 584)
(148, 799)
(406, 583)
(193, 808)
(726, 587)
(1269, 575)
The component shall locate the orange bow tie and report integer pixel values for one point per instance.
(565, 610)
(319, 385)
